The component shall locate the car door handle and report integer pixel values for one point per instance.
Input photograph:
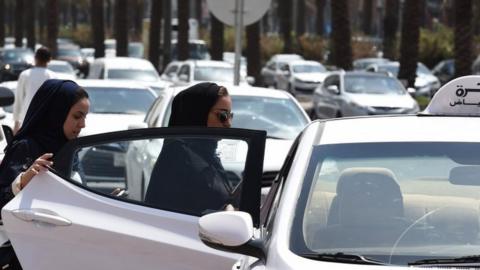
(40, 216)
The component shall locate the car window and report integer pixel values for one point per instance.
(220, 74)
(185, 70)
(191, 175)
(171, 71)
(358, 84)
(271, 65)
(119, 100)
(67, 68)
(332, 80)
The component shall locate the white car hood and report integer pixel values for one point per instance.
(311, 76)
(100, 123)
(394, 101)
(425, 80)
(275, 153)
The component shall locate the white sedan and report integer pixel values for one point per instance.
(276, 112)
(370, 192)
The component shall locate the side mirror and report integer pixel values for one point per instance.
(412, 91)
(333, 89)
(250, 80)
(6, 97)
(230, 231)
(183, 77)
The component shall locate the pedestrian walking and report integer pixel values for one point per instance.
(56, 115)
(28, 83)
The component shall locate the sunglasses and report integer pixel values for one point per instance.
(223, 115)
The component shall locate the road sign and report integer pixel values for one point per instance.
(224, 10)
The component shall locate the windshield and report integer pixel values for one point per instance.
(61, 68)
(17, 55)
(218, 74)
(308, 68)
(63, 52)
(421, 69)
(133, 74)
(378, 85)
(119, 100)
(281, 118)
(394, 202)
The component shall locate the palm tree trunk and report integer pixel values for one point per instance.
(30, 24)
(73, 11)
(108, 17)
(2, 23)
(285, 14)
(182, 42)
(342, 47)
(300, 18)
(390, 28)
(409, 42)
(167, 32)
(216, 38)
(320, 17)
(121, 27)
(138, 18)
(154, 34)
(98, 27)
(253, 52)
(19, 10)
(42, 24)
(463, 37)
(52, 25)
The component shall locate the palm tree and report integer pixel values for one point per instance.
(154, 34)
(216, 38)
(182, 42)
(390, 28)
(253, 52)
(463, 37)
(341, 47)
(138, 18)
(285, 16)
(30, 27)
(367, 17)
(98, 27)
(52, 25)
(121, 27)
(19, 10)
(320, 17)
(167, 32)
(74, 14)
(409, 42)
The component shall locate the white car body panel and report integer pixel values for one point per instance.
(99, 123)
(104, 233)
(401, 101)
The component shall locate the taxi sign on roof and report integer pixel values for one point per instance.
(458, 97)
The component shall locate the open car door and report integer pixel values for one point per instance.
(80, 216)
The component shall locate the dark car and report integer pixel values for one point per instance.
(13, 61)
(73, 55)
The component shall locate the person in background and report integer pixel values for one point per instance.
(28, 83)
(189, 168)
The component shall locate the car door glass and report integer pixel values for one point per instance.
(192, 175)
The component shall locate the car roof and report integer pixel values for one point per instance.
(58, 62)
(359, 72)
(112, 84)
(125, 63)
(209, 63)
(305, 62)
(245, 91)
(401, 128)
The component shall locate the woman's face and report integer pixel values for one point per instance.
(223, 105)
(76, 118)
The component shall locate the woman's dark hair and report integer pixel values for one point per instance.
(80, 93)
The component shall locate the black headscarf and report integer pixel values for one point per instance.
(47, 113)
(191, 106)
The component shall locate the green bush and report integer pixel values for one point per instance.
(435, 45)
(82, 35)
(312, 47)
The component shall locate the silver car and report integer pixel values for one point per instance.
(361, 93)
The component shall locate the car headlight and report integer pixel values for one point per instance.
(7, 66)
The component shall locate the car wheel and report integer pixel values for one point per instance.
(339, 114)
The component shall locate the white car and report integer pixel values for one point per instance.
(370, 193)
(195, 71)
(63, 70)
(271, 70)
(127, 68)
(301, 76)
(276, 112)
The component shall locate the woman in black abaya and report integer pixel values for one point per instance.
(188, 176)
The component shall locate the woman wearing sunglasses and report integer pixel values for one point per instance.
(187, 169)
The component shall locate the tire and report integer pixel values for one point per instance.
(339, 115)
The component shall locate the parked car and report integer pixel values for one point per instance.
(301, 76)
(363, 63)
(276, 112)
(13, 61)
(170, 71)
(444, 70)
(127, 68)
(73, 55)
(135, 49)
(63, 69)
(230, 58)
(6, 99)
(368, 193)
(426, 84)
(271, 71)
(194, 71)
(355, 93)
(88, 54)
(197, 50)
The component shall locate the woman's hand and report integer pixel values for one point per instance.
(39, 165)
